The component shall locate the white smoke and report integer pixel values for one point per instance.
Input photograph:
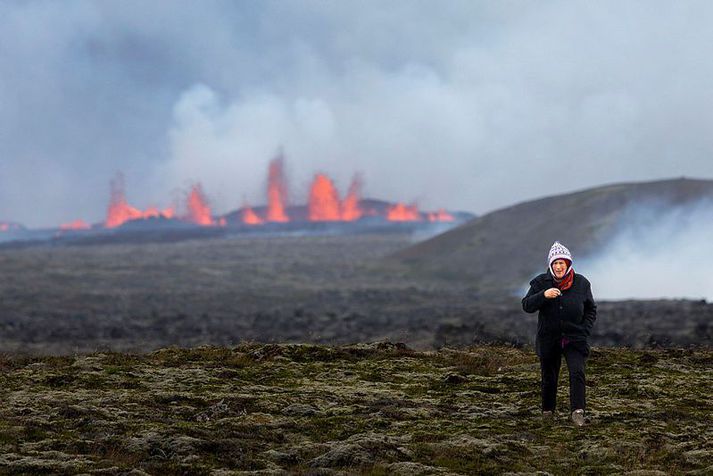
(662, 251)
(229, 145)
(459, 104)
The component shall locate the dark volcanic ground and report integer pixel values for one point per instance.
(291, 289)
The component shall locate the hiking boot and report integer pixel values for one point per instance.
(578, 417)
(548, 415)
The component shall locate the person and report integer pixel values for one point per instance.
(567, 312)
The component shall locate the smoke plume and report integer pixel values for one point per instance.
(660, 252)
(464, 105)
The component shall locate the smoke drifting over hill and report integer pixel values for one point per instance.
(661, 252)
(466, 105)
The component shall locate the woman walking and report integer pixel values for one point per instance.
(567, 312)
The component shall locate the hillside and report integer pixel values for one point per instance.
(503, 249)
(358, 409)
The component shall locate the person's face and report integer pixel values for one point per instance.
(559, 267)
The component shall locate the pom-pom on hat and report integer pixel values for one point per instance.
(559, 251)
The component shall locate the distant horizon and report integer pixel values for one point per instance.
(374, 198)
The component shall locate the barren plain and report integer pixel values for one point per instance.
(329, 290)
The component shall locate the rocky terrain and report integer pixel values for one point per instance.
(378, 408)
(330, 290)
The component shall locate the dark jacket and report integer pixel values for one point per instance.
(570, 315)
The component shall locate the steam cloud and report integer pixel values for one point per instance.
(466, 105)
(660, 252)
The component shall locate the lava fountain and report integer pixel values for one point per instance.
(276, 192)
(119, 210)
(351, 210)
(323, 200)
(403, 212)
(198, 209)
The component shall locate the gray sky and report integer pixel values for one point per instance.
(462, 104)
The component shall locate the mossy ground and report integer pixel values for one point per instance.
(365, 409)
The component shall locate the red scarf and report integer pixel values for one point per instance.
(566, 281)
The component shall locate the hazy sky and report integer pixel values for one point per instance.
(460, 104)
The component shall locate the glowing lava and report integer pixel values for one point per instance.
(198, 208)
(250, 217)
(440, 215)
(350, 206)
(402, 212)
(323, 200)
(75, 225)
(119, 211)
(276, 192)
(323, 204)
(153, 212)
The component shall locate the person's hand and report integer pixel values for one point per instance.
(552, 293)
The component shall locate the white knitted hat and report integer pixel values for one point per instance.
(558, 251)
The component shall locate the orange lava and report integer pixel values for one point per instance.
(324, 204)
(350, 206)
(119, 211)
(402, 212)
(250, 217)
(153, 212)
(440, 215)
(276, 192)
(198, 208)
(323, 200)
(75, 225)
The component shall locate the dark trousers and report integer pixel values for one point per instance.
(575, 353)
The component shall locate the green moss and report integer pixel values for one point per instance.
(60, 380)
(376, 470)
(192, 411)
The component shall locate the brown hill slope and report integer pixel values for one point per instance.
(503, 249)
